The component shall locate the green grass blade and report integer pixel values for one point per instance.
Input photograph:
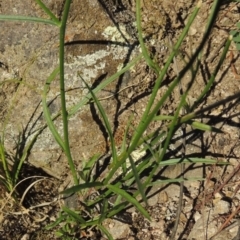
(67, 149)
(137, 179)
(124, 145)
(154, 138)
(104, 209)
(174, 180)
(52, 128)
(18, 166)
(146, 162)
(124, 141)
(118, 200)
(139, 133)
(105, 231)
(164, 72)
(46, 112)
(204, 127)
(27, 19)
(87, 167)
(199, 112)
(175, 161)
(170, 133)
(74, 215)
(194, 124)
(214, 74)
(80, 187)
(106, 122)
(130, 199)
(9, 180)
(101, 86)
(60, 219)
(5, 183)
(48, 11)
(116, 209)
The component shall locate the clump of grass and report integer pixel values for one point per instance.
(11, 164)
(155, 143)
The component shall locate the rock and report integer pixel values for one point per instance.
(36, 46)
(25, 237)
(117, 229)
(204, 226)
(152, 201)
(221, 207)
(162, 197)
(197, 216)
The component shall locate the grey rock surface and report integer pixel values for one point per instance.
(95, 49)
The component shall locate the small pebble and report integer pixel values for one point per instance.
(222, 207)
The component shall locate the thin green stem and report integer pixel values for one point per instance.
(148, 117)
(62, 92)
(214, 74)
(139, 133)
(5, 167)
(48, 11)
(210, 22)
(168, 63)
(102, 85)
(168, 139)
(27, 19)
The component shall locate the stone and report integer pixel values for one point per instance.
(204, 226)
(221, 207)
(117, 229)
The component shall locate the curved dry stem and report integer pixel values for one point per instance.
(28, 188)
